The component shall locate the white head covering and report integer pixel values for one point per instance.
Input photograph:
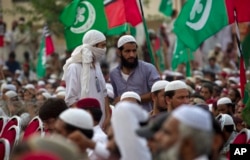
(130, 94)
(194, 117)
(46, 95)
(159, 85)
(29, 86)
(125, 39)
(175, 85)
(224, 100)
(110, 90)
(40, 83)
(225, 120)
(9, 87)
(59, 89)
(11, 94)
(84, 54)
(78, 118)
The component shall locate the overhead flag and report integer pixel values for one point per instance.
(79, 17)
(41, 62)
(120, 12)
(48, 41)
(199, 20)
(180, 54)
(166, 7)
(242, 10)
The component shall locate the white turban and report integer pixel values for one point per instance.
(85, 54)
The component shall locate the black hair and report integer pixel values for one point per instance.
(87, 132)
(208, 86)
(229, 128)
(52, 108)
(170, 94)
(96, 113)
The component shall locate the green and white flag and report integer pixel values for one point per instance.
(166, 7)
(200, 19)
(41, 62)
(79, 17)
(181, 55)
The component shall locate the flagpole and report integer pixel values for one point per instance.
(147, 36)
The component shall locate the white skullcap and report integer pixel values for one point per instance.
(59, 89)
(225, 120)
(40, 83)
(194, 117)
(224, 100)
(130, 94)
(61, 93)
(125, 39)
(159, 85)
(11, 94)
(175, 85)
(42, 90)
(5, 67)
(233, 79)
(17, 71)
(29, 86)
(218, 45)
(218, 82)
(78, 118)
(93, 37)
(10, 87)
(110, 90)
(53, 76)
(51, 81)
(46, 95)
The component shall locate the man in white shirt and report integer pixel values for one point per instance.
(83, 75)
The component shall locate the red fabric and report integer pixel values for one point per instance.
(49, 45)
(2, 151)
(88, 103)
(1, 41)
(157, 44)
(40, 155)
(230, 10)
(10, 123)
(242, 10)
(119, 12)
(31, 129)
(10, 135)
(243, 80)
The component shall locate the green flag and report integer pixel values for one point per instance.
(181, 55)
(200, 19)
(246, 50)
(41, 62)
(166, 7)
(79, 17)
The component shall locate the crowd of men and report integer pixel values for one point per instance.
(132, 112)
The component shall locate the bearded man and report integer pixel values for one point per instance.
(133, 74)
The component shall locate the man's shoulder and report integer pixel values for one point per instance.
(145, 64)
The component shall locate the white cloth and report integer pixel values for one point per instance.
(73, 85)
(99, 137)
(86, 54)
(125, 120)
(203, 157)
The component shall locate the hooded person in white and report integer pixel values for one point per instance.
(82, 72)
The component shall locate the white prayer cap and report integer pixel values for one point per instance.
(10, 87)
(51, 81)
(194, 117)
(175, 85)
(159, 85)
(218, 82)
(125, 39)
(224, 100)
(40, 83)
(46, 95)
(225, 120)
(17, 71)
(42, 90)
(53, 76)
(130, 94)
(218, 45)
(5, 67)
(59, 89)
(78, 118)
(11, 94)
(29, 86)
(61, 93)
(110, 90)
(233, 79)
(93, 37)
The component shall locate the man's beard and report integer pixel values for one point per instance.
(173, 153)
(128, 64)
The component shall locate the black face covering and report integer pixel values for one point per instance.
(127, 64)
